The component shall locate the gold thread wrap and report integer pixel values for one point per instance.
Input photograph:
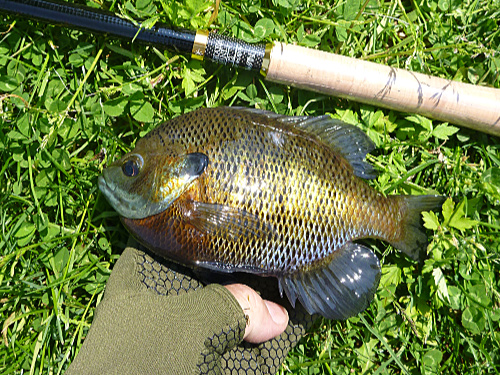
(199, 45)
(266, 60)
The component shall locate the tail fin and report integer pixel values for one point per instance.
(413, 241)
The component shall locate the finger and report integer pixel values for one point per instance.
(265, 319)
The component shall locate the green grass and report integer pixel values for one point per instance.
(67, 96)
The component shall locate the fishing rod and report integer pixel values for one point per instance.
(475, 107)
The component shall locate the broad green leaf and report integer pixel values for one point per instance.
(491, 182)
(15, 135)
(289, 5)
(45, 299)
(25, 233)
(348, 116)
(104, 244)
(76, 60)
(444, 131)
(56, 105)
(448, 207)
(150, 22)
(59, 260)
(250, 6)
(420, 120)
(41, 221)
(454, 295)
(62, 157)
(8, 84)
(300, 32)
(391, 275)
(131, 88)
(463, 223)
(430, 220)
(478, 292)
(277, 94)
(192, 74)
(24, 125)
(341, 33)
(444, 5)
(432, 360)
(377, 120)
(366, 353)
(142, 110)
(458, 220)
(251, 91)
(17, 187)
(263, 28)
(441, 286)
(45, 177)
(244, 96)
(143, 4)
(4, 51)
(115, 107)
(495, 315)
(474, 73)
(388, 323)
(24, 230)
(244, 31)
(472, 320)
(69, 129)
(351, 9)
(180, 106)
(306, 39)
(238, 83)
(224, 18)
(420, 315)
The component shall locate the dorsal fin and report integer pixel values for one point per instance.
(349, 141)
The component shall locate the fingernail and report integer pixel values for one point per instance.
(278, 313)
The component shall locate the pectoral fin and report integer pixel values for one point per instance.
(342, 289)
(227, 222)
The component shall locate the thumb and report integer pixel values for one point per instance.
(265, 319)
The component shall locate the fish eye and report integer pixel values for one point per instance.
(130, 168)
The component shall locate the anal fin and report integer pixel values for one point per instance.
(342, 289)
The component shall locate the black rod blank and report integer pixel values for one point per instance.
(200, 44)
(100, 21)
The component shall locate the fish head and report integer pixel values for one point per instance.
(144, 183)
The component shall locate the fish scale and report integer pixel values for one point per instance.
(233, 189)
(222, 192)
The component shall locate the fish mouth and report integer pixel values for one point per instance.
(108, 190)
(126, 205)
(104, 187)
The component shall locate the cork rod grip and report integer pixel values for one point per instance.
(463, 104)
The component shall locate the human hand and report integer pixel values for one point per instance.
(159, 319)
(265, 319)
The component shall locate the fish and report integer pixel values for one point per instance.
(235, 189)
